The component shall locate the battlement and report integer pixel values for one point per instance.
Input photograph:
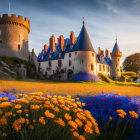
(6, 19)
(116, 54)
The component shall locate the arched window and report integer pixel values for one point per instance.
(18, 46)
(91, 67)
(69, 62)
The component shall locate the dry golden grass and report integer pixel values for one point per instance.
(69, 88)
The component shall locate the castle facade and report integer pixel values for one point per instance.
(67, 57)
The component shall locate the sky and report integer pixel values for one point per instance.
(103, 19)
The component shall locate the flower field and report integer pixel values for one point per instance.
(38, 115)
(68, 88)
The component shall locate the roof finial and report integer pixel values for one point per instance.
(116, 37)
(83, 20)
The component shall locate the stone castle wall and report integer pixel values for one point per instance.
(14, 36)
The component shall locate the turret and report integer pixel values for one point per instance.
(115, 68)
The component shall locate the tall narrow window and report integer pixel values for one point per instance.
(0, 32)
(100, 68)
(69, 54)
(59, 63)
(0, 40)
(108, 68)
(19, 38)
(69, 62)
(103, 68)
(50, 64)
(18, 46)
(91, 67)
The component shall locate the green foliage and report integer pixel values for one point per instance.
(119, 131)
(128, 75)
(132, 63)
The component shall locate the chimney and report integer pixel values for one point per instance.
(72, 37)
(45, 47)
(107, 53)
(61, 42)
(102, 52)
(99, 51)
(58, 40)
(52, 44)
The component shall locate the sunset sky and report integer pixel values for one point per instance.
(103, 19)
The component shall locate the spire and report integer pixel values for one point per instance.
(83, 21)
(83, 41)
(116, 37)
(116, 50)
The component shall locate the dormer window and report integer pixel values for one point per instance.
(41, 56)
(59, 54)
(50, 55)
(71, 46)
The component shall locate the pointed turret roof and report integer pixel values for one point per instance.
(116, 47)
(83, 41)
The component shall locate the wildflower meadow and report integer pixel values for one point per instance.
(38, 115)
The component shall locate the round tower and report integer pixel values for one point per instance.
(115, 68)
(14, 33)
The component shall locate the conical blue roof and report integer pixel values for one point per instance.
(83, 41)
(116, 48)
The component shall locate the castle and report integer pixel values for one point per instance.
(14, 38)
(74, 55)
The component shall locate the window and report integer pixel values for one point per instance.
(71, 46)
(41, 56)
(19, 38)
(118, 70)
(103, 68)
(18, 46)
(100, 68)
(91, 67)
(69, 62)
(59, 54)
(59, 63)
(116, 65)
(69, 54)
(50, 64)
(92, 54)
(108, 68)
(0, 40)
(75, 53)
(45, 73)
(0, 32)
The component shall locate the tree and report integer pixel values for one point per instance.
(132, 63)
